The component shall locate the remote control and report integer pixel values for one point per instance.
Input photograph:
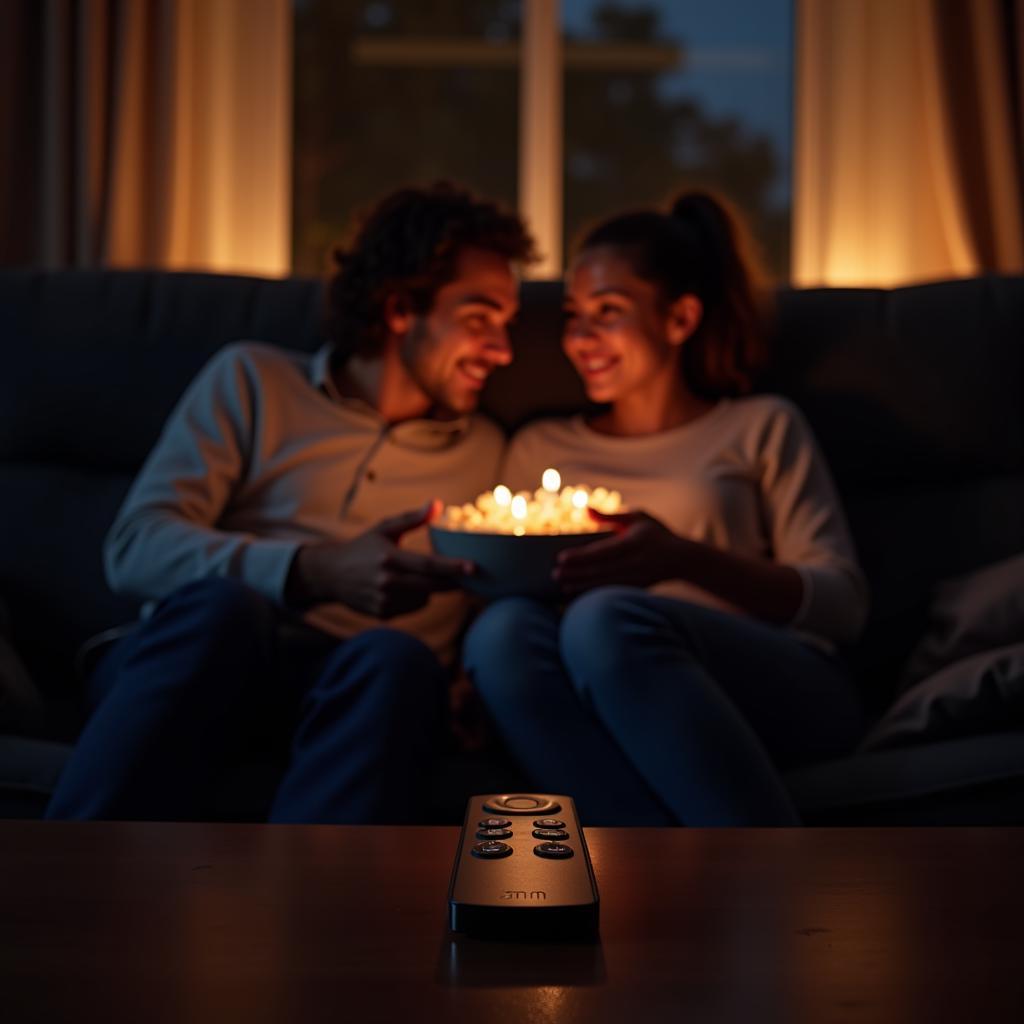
(522, 870)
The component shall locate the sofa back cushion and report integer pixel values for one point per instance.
(915, 394)
(917, 397)
(95, 360)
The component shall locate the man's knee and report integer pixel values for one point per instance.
(211, 637)
(398, 666)
(222, 605)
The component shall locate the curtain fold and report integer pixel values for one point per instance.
(159, 133)
(908, 159)
(979, 46)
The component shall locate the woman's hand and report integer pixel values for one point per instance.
(643, 551)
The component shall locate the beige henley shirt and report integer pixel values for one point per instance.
(262, 454)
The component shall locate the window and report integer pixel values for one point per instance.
(399, 92)
(682, 92)
(657, 94)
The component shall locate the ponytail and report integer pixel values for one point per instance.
(730, 347)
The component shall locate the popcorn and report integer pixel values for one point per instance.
(551, 509)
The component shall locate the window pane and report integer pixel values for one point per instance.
(393, 92)
(664, 94)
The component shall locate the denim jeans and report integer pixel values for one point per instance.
(177, 700)
(654, 711)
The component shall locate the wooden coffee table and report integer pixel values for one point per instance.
(191, 922)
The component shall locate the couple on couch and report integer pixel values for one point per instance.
(276, 529)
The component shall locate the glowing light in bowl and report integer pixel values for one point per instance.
(551, 509)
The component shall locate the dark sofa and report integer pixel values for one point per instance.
(916, 394)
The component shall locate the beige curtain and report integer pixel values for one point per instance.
(161, 134)
(907, 161)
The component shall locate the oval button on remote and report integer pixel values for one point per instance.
(548, 823)
(553, 851)
(495, 823)
(549, 833)
(491, 850)
(501, 833)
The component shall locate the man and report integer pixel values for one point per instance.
(264, 524)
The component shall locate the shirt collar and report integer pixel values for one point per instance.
(425, 433)
(320, 372)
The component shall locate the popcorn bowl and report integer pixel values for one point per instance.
(508, 565)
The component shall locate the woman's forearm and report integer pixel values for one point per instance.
(762, 588)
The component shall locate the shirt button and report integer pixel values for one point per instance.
(371, 475)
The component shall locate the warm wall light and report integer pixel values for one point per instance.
(875, 197)
(229, 179)
(540, 132)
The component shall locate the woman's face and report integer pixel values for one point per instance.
(617, 333)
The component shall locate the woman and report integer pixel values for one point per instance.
(698, 653)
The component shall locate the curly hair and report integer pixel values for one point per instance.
(409, 244)
(700, 247)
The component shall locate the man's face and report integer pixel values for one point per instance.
(452, 350)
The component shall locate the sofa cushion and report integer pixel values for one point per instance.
(95, 360)
(911, 538)
(983, 693)
(53, 521)
(970, 614)
(29, 770)
(884, 786)
(916, 385)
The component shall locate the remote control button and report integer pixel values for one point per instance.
(491, 850)
(494, 823)
(553, 851)
(548, 823)
(502, 833)
(548, 833)
(522, 803)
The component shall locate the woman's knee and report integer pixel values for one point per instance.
(596, 625)
(603, 635)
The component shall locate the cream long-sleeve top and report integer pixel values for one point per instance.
(747, 477)
(261, 455)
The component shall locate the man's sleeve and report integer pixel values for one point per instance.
(165, 534)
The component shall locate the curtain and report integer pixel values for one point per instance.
(908, 158)
(152, 133)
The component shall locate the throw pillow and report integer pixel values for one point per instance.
(980, 694)
(969, 614)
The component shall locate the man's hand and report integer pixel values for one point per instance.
(371, 573)
(643, 551)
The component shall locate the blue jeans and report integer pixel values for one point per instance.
(652, 711)
(177, 700)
